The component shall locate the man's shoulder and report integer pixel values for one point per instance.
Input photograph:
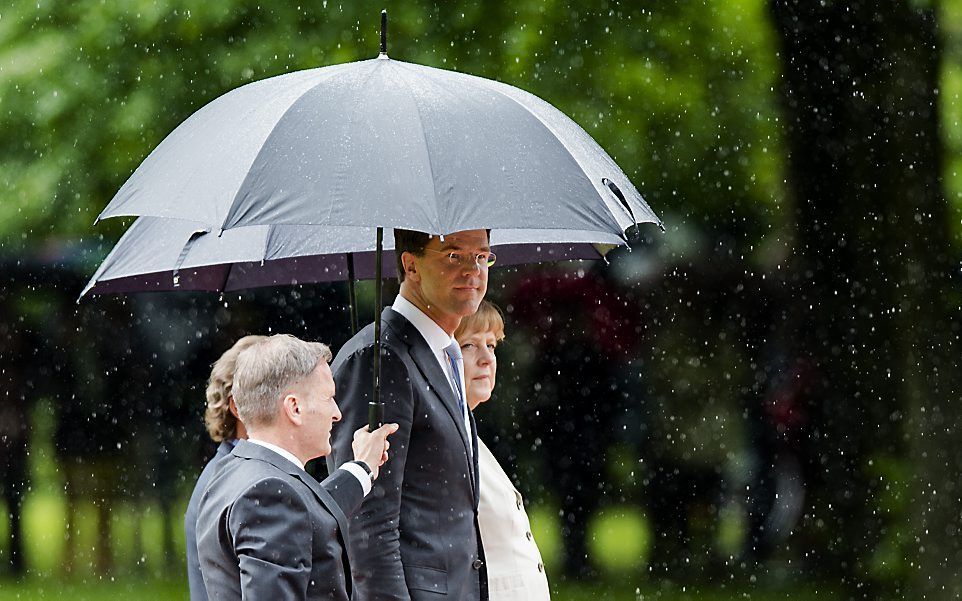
(236, 475)
(255, 488)
(208, 473)
(364, 338)
(394, 338)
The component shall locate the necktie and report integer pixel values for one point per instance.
(453, 352)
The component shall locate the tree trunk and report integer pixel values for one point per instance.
(871, 279)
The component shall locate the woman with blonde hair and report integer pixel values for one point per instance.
(515, 570)
(220, 417)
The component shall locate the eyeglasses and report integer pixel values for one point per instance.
(455, 257)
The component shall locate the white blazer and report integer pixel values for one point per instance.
(515, 569)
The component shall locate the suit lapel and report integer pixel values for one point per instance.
(431, 370)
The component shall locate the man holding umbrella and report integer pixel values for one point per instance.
(416, 535)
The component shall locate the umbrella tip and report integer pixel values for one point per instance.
(86, 289)
(384, 32)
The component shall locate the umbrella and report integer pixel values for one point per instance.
(386, 143)
(383, 143)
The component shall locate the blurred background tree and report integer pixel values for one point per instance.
(875, 270)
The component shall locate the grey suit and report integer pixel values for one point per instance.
(267, 530)
(416, 535)
(194, 578)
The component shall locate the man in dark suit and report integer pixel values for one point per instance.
(265, 528)
(416, 536)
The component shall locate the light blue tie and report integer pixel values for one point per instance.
(453, 351)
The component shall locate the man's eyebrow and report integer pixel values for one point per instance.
(452, 246)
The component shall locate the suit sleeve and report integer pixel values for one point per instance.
(345, 489)
(375, 538)
(272, 535)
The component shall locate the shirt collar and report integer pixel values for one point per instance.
(436, 337)
(280, 451)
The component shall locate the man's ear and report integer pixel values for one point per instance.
(291, 407)
(232, 407)
(409, 262)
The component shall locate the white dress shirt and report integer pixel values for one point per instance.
(515, 569)
(352, 468)
(437, 340)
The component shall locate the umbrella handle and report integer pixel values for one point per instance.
(375, 416)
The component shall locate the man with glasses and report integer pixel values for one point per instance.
(416, 535)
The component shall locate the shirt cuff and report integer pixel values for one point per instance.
(359, 473)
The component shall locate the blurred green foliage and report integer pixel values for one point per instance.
(951, 109)
(681, 94)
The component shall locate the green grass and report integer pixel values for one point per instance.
(612, 590)
(93, 590)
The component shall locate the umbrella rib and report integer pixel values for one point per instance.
(495, 87)
(227, 273)
(554, 134)
(108, 261)
(183, 255)
(229, 214)
(198, 167)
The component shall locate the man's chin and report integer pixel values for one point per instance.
(470, 306)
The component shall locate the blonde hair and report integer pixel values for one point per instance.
(488, 318)
(267, 370)
(221, 423)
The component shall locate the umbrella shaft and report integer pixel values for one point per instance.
(375, 409)
(351, 293)
(383, 32)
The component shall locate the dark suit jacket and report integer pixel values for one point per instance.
(416, 535)
(194, 578)
(266, 529)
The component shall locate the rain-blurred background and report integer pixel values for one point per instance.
(760, 403)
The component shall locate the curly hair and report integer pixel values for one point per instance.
(221, 423)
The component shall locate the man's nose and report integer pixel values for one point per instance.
(337, 413)
(471, 266)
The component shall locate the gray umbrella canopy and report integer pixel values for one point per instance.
(383, 143)
(157, 254)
